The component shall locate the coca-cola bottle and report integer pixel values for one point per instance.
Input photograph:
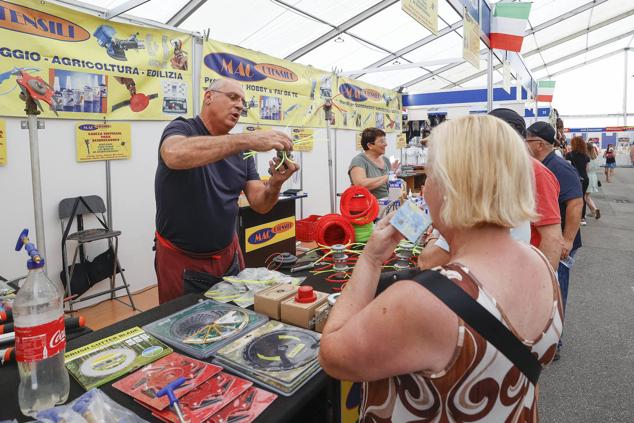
(40, 337)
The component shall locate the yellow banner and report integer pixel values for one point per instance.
(401, 141)
(357, 141)
(425, 12)
(3, 143)
(303, 139)
(96, 68)
(471, 40)
(269, 233)
(103, 141)
(358, 105)
(278, 92)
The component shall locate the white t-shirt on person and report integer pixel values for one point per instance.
(520, 233)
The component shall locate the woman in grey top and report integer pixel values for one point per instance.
(370, 168)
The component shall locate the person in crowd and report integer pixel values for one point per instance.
(412, 353)
(610, 162)
(632, 153)
(540, 138)
(544, 233)
(579, 158)
(593, 186)
(370, 168)
(200, 174)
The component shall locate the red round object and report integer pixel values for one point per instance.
(138, 102)
(334, 229)
(305, 294)
(358, 205)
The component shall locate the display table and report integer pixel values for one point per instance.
(262, 235)
(310, 403)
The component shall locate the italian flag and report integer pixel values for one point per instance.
(508, 25)
(545, 91)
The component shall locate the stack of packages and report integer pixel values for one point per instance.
(207, 393)
(202, 329)
(276, 355)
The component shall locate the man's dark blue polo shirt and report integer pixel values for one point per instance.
(569, 186)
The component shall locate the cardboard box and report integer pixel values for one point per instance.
(268, 300)
(322, 309)
(300, 314)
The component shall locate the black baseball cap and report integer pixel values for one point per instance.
(512, 118)
(544, 131)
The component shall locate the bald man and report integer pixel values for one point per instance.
(200, 174)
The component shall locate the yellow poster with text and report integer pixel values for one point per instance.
(103, 141)
(3, 143)
(401, 141)
(303, 139)
(358, 105)
(357, 142)
(278, 92)
(95, 68)
(471, 41)
(269, 233)
(425, 12)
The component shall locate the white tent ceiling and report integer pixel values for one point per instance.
(562, 35)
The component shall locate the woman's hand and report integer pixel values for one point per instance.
(383, 241)
(395, 165)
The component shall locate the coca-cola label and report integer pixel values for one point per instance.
(36, 343)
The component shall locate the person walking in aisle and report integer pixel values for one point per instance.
(610, 162)
(579, 158)
(593, 168)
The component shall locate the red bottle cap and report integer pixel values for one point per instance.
(305, 294)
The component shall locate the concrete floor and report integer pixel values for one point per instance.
(593, 380)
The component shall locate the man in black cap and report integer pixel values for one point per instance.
(545, 234)
(541, 140)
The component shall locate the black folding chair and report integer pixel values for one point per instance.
(88, 274)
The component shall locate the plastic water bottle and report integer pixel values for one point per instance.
(40, 337)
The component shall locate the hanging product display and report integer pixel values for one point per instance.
(361, 105)
(278, 92)
(95, 67)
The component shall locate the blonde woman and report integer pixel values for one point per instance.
(417, 359)
(593, 167)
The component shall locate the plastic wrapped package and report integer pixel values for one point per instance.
(92, 407)
(241, 288)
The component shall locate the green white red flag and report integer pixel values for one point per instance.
(508, 25)
(545, 91)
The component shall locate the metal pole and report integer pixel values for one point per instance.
(301, 184)
(489, 80)
(330, 169)
(108, 195)
(37, 184)
(625, 78)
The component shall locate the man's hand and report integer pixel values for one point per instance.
(566, 247)
(269, 140)
(281, 175)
